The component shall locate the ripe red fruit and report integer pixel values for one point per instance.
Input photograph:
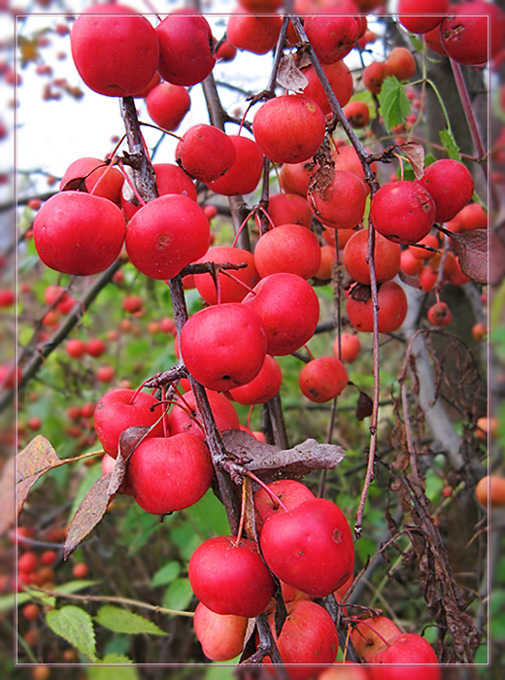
(167, 104)
(403, 212)
(392, 309)
(7, 297)
(30, 612)
(230, 577)
(404, 651)
(290, 492)
(80, 570)
(451, 186)
(409, 264)
(28, 562)
(68, 235)
(105, 373)
(289, 209)
(133, 303)
(332, 37)
(358, 114)
(491, 489)
(222, 637)
(341, 82)
(75, 348)
(168, 474)
(350, 346)
(231, 290)
(439, 314)
(223, 411)
(374, 75)
(341, 204)
(464, 33)
(308, 639)
(96, 347)
(170, 179)
(323, 378)
(387, 257)
(346, 158)
(34, 423)
(421, 16)
(401, 63)
(422, 253)
(115, 56)
(186, 48)
(288, 248)
(206, 153)
(289, 311)
(289, 128)
(473, 216)
(261, 388)
(223, 346)
(294, 178)
(309, 547)
(372, 635)
(226, 51)
(245, 172)
(257, 34)
(114, 413)
(167, 234)
(101, 179)
(48, 557)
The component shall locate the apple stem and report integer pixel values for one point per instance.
(158, 127)
(277, 501)
(309, 352)
(245, 221)
(138, 390)
(249, 416)
(242, 512)
(165, 414)
(354, 619)
(131, 184)
(237, 280)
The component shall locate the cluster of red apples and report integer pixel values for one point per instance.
(265, 308)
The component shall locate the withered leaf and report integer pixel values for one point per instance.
(88, 515)
(31, 463)
(76, 184)
(364, 406)
(471, 249)
(289, 75)
(7, 487)
(360, 292)
(130, 439)
(416, 155)
(269, 462)
(409, 280)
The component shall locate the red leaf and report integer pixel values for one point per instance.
(471, 249)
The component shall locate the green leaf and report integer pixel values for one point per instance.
(394, 103)
(76, 626)
(124, 621)
(166, 574)
(102, 672)
(220, 671)
(178, 595)
(449, 144)
(209, 516)
(418, 44)
(75, 586)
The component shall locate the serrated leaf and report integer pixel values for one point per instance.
(88, 515)
(31, 463)
(101, 671)
(178, 595)
(75, 626)
(449, 144)
(471, 249)
(166, 574)
(75, 586)
(394, 103)
(122, 620)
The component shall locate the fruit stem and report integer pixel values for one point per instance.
(242, 512)
(250, 214)
(277, 501)
(131, 184)
(166, 132)
(237, 280)
(165, 415)
(354, 619)
(138, 390)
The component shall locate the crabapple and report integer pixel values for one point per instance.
(257, 34)
(332, 37)
(230, 577)
(358, 114)
(341, 82)
(115, 55)
(392, 309)
(186, 48)
(464, 32)
(450, 184)
(374, 75)
(289, 248)
(289, 492)
(323, 378)
(423, 253)
(289, 128)
(99, 178)
(371, 635)
(472, 216)
(341, 204)
(328, 258)
(439, 314)
(169, 473)
(96, 347)
(221, 636)
(167, 104)
(167, 234)
(294, 178)
(421, 16)
(407, 649)
(387, 257)
(491, 488)
(401, 64)
(223, 411)
(289, 310)
(289, 209)
(261, 388)
(230, 289)
(309, 547)
(350, 346)
(206, 153)
(75, 348)
(69, 237)
(224, 346)
(105, 373)
(117, 410)
(403, 211)
(308, 639)
(245, 172)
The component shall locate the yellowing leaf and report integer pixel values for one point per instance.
(35, 459)
(88, 514)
